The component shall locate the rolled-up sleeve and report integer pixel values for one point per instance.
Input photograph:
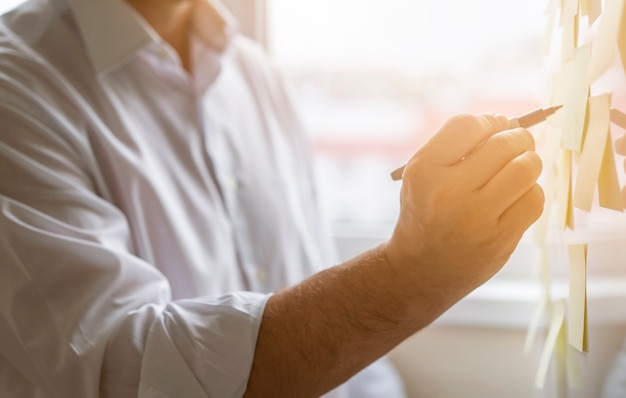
(80, 314)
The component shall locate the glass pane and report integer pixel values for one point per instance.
(376, 78)
(6, 5)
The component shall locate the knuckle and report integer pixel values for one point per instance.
(537, 198)
(514, 141)
(465, 121)
(528, 166)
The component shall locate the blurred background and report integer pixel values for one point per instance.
(376, 78)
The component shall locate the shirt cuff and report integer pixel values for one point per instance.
(202, 347)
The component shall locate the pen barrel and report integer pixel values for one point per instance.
(527, 120)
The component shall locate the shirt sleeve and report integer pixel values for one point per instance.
(80, 315)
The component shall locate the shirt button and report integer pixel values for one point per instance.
(261, 276)
(232, 183)
(163, 54)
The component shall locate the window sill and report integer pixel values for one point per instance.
(511, 303)
(510, 298)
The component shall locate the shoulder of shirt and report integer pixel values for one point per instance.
(21, 29)
(28, 22)
(30, 83)
(252, 56)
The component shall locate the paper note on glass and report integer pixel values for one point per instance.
(592, 9)
(609, 190)
(593, 151)
(621, 37)
(556, 323)
(569, 10)
(577, 309)
(575, 104)
(535, 321)
(574, 374)
(565, 212)
(605, 43)
(569, 39)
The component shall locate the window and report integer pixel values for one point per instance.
(6, 5)
(375, 78)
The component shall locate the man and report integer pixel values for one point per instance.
(158, 217)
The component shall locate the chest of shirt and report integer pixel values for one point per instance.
(209, 182)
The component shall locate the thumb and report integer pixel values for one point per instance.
(460, 135)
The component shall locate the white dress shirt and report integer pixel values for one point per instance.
(145, 215)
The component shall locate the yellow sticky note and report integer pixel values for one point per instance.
(609, 191)
(621, 37)
(592, 9)
(577, 309)
(549, 151)
(560, 363)
(559, 90)
(569, 38)
(574, 374)
(593, 151)
(535, 321)
(606, 39)
(569, 10)
(565, 212)
(575, 104)
(556, 324)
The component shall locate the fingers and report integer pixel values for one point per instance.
(494, 154)
(460, 135)
(523, 212)
(512, 182)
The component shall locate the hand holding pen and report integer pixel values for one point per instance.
(526, 120)
(467, 196)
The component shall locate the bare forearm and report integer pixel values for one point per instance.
(467, 197)
(319, 333)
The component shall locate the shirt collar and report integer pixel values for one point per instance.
(113, 31)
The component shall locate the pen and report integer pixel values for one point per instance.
(526, 120)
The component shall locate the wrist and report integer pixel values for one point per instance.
(428, 297)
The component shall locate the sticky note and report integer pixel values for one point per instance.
(592, 151)
(569, 38)
(533, 327)
(549, 152)
(560, 362)
(572, 367)
(575, 104)
(606, 39)
(621, 37)
(592, 9)
(569, 10)
(609, 191)
(577, 308)
(556, 324)
(565, 212)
